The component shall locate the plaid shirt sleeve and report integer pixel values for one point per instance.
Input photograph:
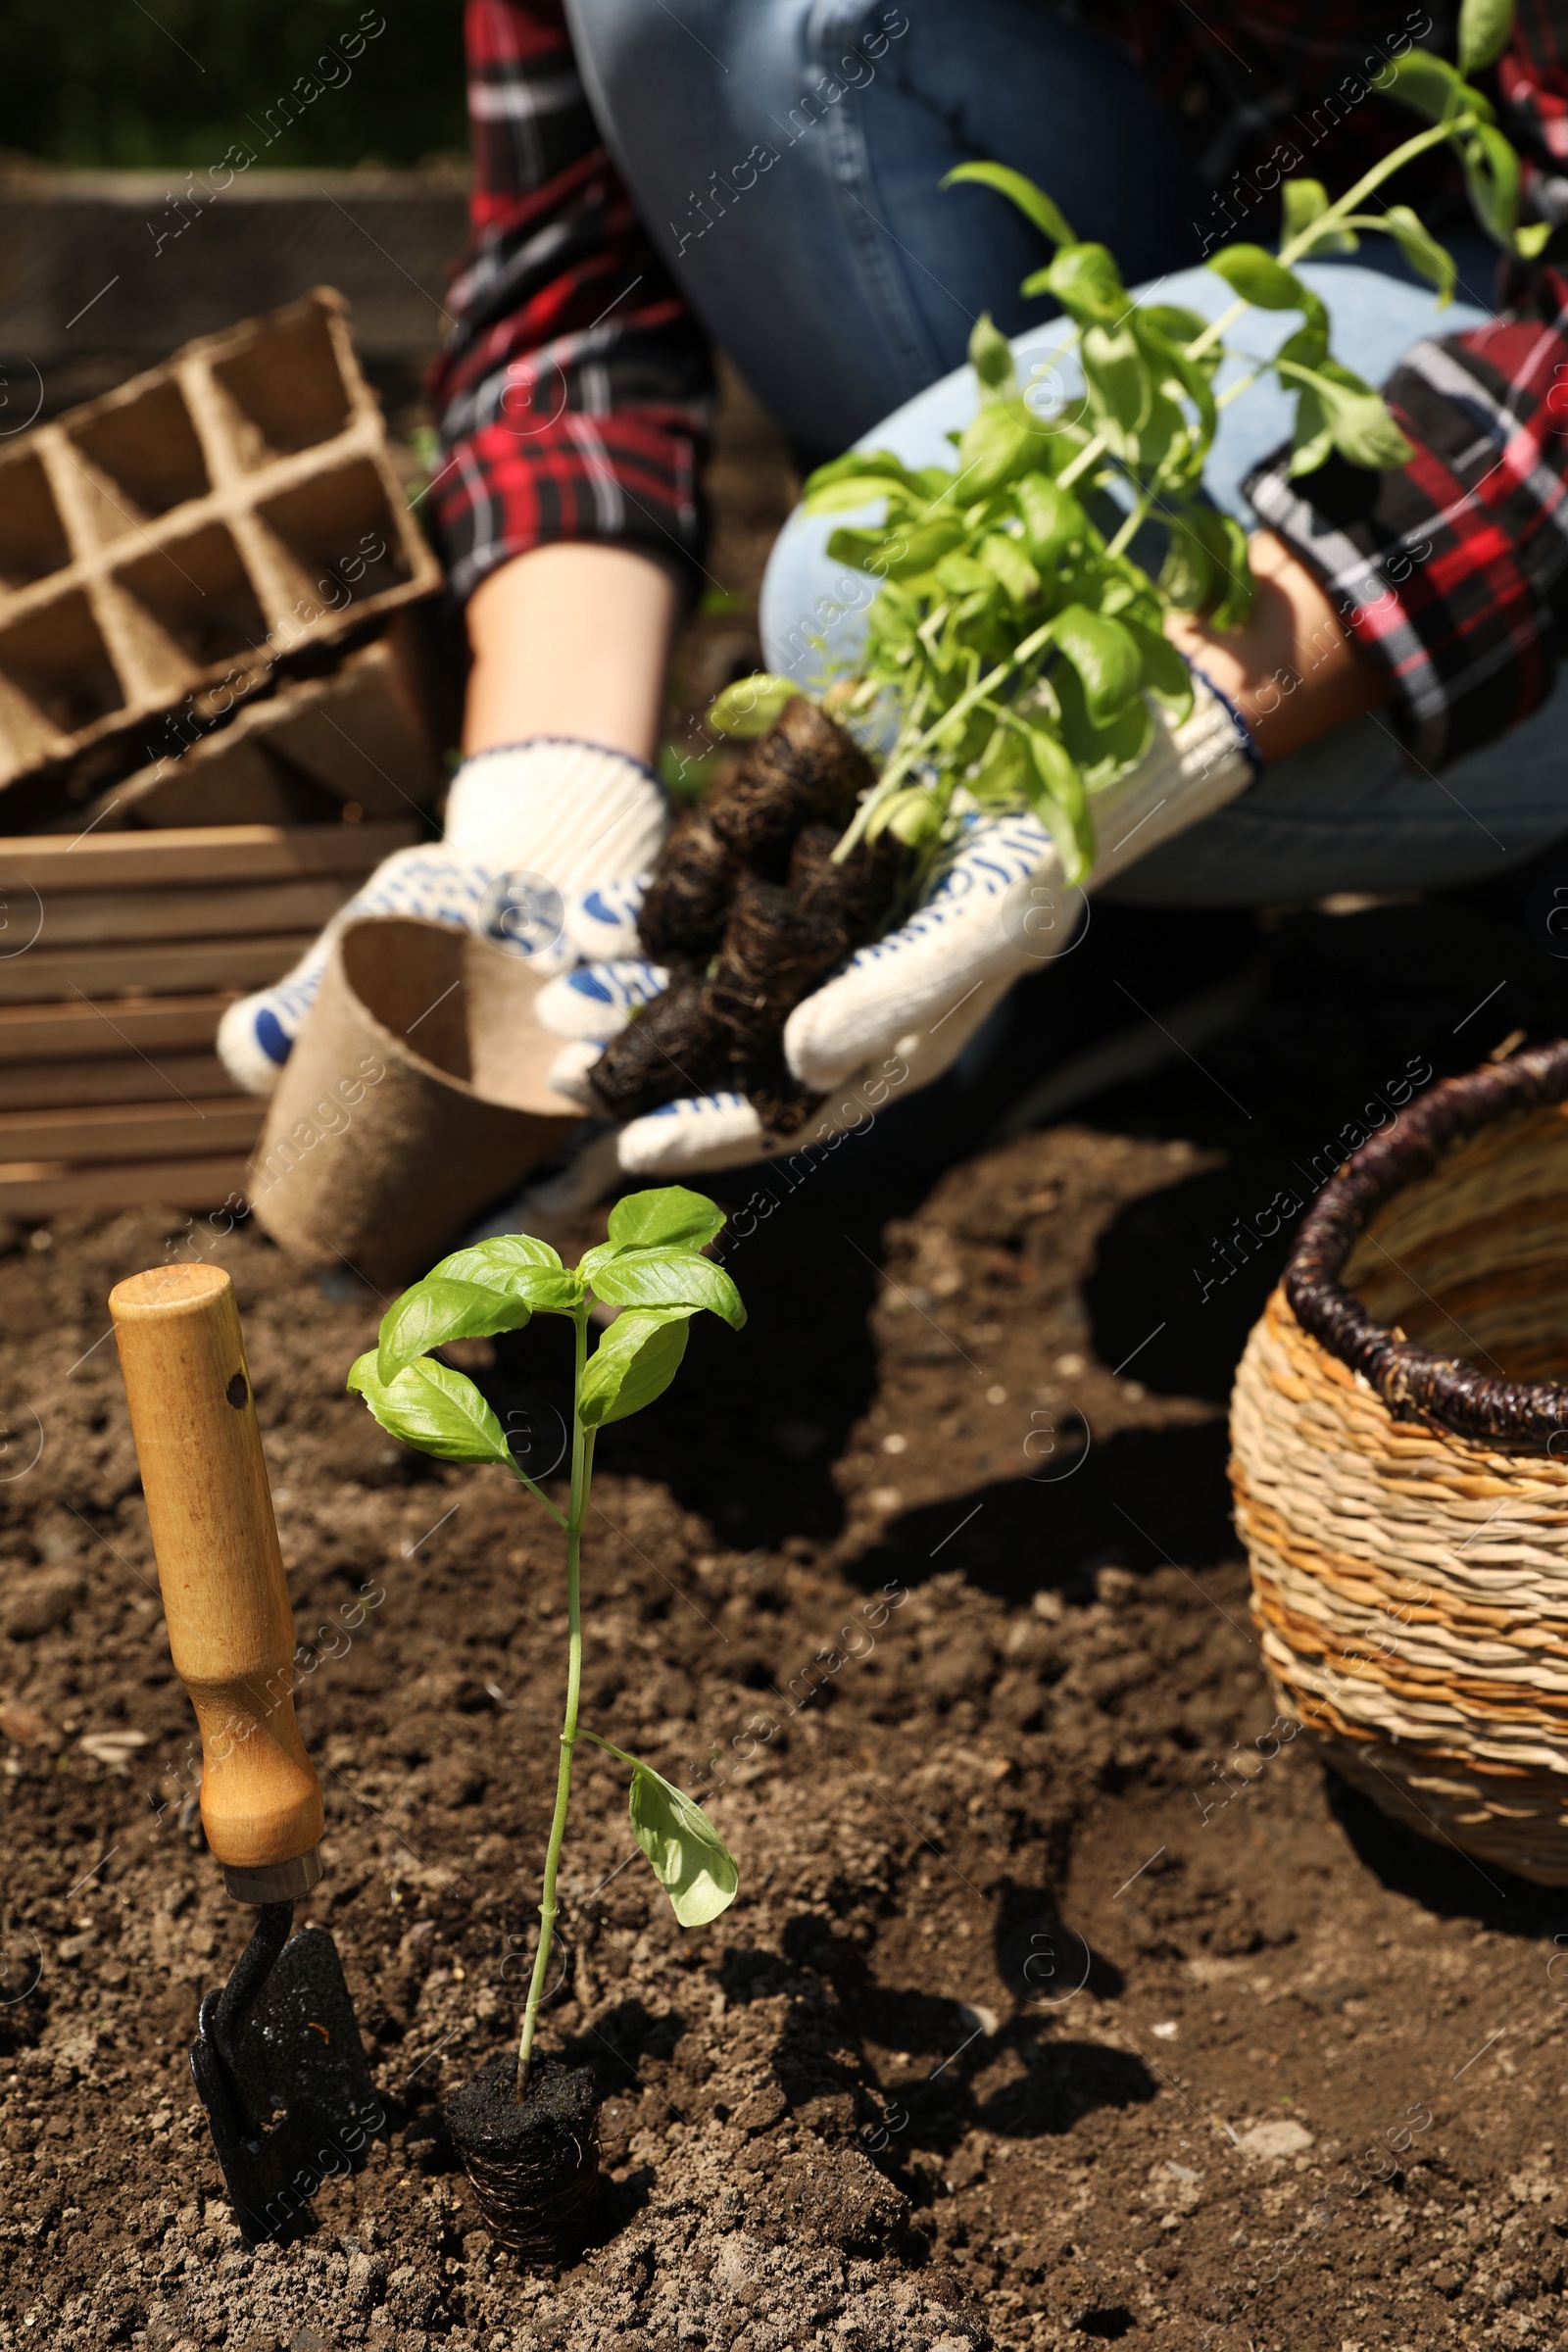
(573, 391)
(1454, 569)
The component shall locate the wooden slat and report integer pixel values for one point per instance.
(110, 1131)
(44, 1190)
(78, 1031)
(94, 919)
(199, 853)
(44, 975)
(63, 1084)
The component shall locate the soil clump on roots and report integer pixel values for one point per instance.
(749, 912)
(534, 2161)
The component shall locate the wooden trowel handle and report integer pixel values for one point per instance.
(226, 1597)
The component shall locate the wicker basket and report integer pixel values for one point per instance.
(1400, 1459)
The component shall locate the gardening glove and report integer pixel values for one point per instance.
(531, 829)
(901, 1009)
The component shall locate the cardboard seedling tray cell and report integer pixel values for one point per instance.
(119, 954)
(212, 517)
(296, 756)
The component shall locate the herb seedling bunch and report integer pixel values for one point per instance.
(653, 1269)
(1015, 645)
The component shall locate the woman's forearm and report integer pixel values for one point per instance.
(571, 639)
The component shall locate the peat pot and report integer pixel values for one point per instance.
(417, 1095)
(1399, 1461)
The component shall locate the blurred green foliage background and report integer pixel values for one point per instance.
(120, 83)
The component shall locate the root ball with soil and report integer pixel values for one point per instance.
(750, 912)
(533, 2161)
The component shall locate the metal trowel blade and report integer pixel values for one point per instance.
(287, 2086)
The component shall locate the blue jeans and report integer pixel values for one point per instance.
(785, 156)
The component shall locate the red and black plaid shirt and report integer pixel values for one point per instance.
(574, 389)
(573, 392)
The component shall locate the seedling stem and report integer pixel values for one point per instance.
(582, 1470)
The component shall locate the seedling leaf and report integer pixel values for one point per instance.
(1483, 30)
(438, 1309)
(1004, 556)
(1114, 368)
(1086, 281)
(1491, 174)
(1106, 657)
(551, 1289)
(871, 473)
(1165, 674)
(1052, 519)
(1003, 440)
(752, 705)
(1259, 278)
(668, 1276)
(1056, 793)
(990, 357)
(633, 1363)
(1421, 249)
(1428, 86)
(1030, 200)
(901, 553)
(497, 1260)
(850, 491)
(432, 1407)
(689, 1858)
(1346, 415)
(671, 1215)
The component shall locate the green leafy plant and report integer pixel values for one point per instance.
(1015, 647)
(652, 1270)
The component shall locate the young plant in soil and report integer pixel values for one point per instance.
(526, 2130)
(1014, 647)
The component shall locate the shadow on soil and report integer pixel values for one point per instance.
(1439, 1878)
(1136, 1499)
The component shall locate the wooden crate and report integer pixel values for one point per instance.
(119, 954)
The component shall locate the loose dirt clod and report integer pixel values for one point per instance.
(534, 2161)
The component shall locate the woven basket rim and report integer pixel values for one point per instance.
(1412, 1383)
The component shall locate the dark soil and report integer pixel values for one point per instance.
(1065, 2000)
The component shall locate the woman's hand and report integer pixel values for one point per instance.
(1291, 669)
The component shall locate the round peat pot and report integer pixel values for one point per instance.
(534, 2162)
(1400, 1459)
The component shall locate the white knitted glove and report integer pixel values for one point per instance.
(901, 1009)
(992, 914)
(531, 830)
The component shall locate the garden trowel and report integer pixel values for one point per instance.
(278, 2059)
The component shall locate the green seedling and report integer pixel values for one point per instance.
(653, 1269)
(1014, 647)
